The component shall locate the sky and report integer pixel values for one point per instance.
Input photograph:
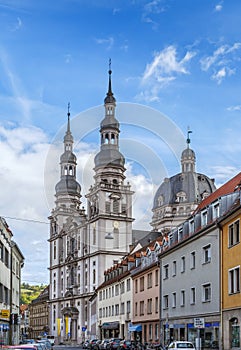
(176, 66)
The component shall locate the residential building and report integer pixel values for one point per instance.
(230, 277)
(190, 272)
(11, 263)
(114, 300)
(39, 315)
(145, 325)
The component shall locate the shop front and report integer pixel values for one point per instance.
(209, 334)
(136, 332)
(110, 330)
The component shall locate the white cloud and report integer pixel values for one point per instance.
(109, 42)
(234, 108)
(218, 7)
(165, 64)
(220, 61)
(221, 74)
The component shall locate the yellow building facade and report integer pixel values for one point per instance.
(230, 278)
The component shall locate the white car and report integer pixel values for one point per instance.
(183, 345)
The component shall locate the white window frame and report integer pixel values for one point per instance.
(234, 280)
(207, 254)
(206, 287)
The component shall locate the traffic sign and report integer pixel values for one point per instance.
(199, 323)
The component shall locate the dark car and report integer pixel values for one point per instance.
(114, 343)
(126, 344)
(94, 344)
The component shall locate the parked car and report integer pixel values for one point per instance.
(51, 339)
(184, 345)
(85, 344)
(45, 343)
(104, 344)
(94, 344)
(127, 344)
(114, 343)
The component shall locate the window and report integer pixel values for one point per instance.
(165, 302)
(233, 233)
(149, 280)
(174, 268)
(141, 308)
(150, 332)
(128, 285)
(156, 277)
(193, 295)
(1, 251)
(174, 299)
(136, 286)
(183, 264)
(6, 257)
(182, 297)
(216, 210)
(135, 309)
(206, 292)
(191, 226)
(122, 287)
(117, 309)
(156, 305)
(165, 271)
(207, 254)
(234, 280)
(149, 306)
(192, 260)
(122, 310)
(117, 289)
(204, 218)
(142, 284)
(128, 306)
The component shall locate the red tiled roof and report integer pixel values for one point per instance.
(229, 187)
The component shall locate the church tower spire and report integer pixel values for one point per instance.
(188, 158)
(110, 199)
(68, 189)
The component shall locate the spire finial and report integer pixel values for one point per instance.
(110, 66)
(68, 114)
(188, 136)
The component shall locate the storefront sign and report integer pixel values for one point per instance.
(199, 323)
(5, 313)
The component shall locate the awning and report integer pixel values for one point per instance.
(110, 325)
(135, 328)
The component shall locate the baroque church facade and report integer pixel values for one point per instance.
(85, 243)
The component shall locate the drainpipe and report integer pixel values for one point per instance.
(221, 346)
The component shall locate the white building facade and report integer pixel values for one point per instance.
(84, 243)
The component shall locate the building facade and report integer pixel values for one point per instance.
(39, 316)
(230, 274)
(11, 263)
(83, 244)
(178, 196)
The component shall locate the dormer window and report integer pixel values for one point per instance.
(181, 197)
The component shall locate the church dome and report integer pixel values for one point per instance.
(68, 157)
(186, 187)
(109, 122)
(69, 185)
(109, 156)
(188, 153)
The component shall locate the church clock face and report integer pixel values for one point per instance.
(116, 224)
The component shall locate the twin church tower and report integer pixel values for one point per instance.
(85, 243)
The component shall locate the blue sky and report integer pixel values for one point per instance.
(176, 64)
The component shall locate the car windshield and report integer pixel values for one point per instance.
(184, 345)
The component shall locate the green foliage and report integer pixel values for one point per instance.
(29, 292)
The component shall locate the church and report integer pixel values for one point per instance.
(86, 242)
